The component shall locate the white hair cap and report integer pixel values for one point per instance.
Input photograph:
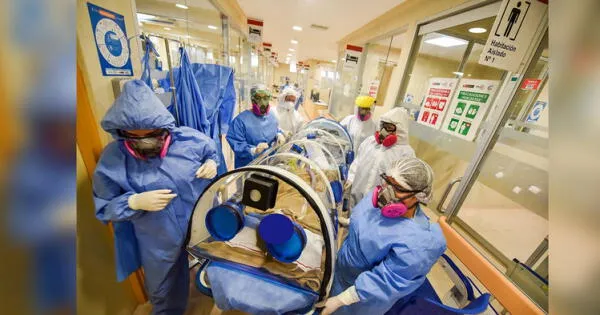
(286, 92)
(413, 174)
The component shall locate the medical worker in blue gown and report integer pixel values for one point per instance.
(391, 244)
(254, 130)
(146, 183)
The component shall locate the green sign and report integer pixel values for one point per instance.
(464, 128)
(473, 96)
(453, 124)
(472, 112)
(460, 108)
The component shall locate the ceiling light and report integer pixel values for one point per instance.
(446, 41)
(460, 74)
(145, 17)
(167, 28)
(477, 30)
(292, 49)
(334, 61)
(293, 41)
(296, 28)
(212, 27)
(181, 6)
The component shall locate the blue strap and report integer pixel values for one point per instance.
(146, 61)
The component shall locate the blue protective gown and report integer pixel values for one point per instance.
(190, 110)
(155, 238)
(216, 85)
(246, 131)
(385, 258)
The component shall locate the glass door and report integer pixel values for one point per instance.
(484, 132)
(445, 54)
(505, 209)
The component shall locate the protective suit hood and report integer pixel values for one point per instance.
(399, 117)
(137, 108)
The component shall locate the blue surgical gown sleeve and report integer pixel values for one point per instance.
(109, 195)
(237, 140)
(399, 274)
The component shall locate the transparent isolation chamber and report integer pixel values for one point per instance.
(267, 232)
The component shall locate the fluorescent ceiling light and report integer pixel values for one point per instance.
(459, 73)
(167, 28)
(292, 49)
(212, 27)
(477, 30)
(296, 28)
(334, 61)
(446, 41)
(145, 17)
(181, 6)
(293, 41)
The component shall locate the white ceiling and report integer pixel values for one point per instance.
(341, 16)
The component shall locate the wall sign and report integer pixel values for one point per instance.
(267, 47)
(512, 33)
(469, 106)
(536, 111)
(531, 84)
(352, 57)
(437, 100)
(373, 88)
(111, 41)
(255, 28)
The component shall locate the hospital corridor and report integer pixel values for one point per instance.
(313, 157)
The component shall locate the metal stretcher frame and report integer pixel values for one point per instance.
(509, 295)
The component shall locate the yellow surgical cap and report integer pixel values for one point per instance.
(364, 101)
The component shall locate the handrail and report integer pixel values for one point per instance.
(503, 290)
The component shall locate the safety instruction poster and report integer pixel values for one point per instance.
(436, 101)
(512, 33)
(469, 105)
(111, 41)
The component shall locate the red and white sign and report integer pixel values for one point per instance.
(255, 31)
(373, 88)
(352, 58)
(437, 97)
(267, 47)
(531, 84)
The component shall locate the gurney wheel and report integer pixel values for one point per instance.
(201, 282)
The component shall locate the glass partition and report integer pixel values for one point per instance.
(503, 211)
(199, 29)
(507, 206)
(444, 56)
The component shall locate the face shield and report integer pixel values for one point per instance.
(260, 101)
(363, 113)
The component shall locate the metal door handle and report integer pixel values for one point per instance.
(446, 193)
